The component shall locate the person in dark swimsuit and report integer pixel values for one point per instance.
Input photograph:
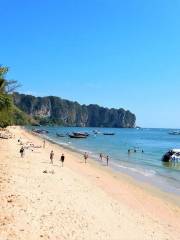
(22, 151)
(62, 159)
(51, 156)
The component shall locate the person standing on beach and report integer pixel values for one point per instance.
(62, 159)
(44, 143)
(101, 156)
(22, 151)
(107, 160)
(85, 157)
(51, 156)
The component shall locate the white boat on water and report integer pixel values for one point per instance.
(172, 155)
(174, 133)
(96, 132)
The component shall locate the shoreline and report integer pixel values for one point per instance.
(114, 192)
(147, 186)
(141, 181)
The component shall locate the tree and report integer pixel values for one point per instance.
(9, 114)
(7, 86)
(6, 103)
(5, 99)
(3, 71)
(11, 85)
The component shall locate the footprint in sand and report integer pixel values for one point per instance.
(11, 198)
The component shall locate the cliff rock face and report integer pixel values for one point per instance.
(63, 112)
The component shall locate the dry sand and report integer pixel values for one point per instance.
(79, 201)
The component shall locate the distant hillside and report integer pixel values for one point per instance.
(54, 110)
(14, 116)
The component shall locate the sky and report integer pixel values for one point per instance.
(113, 53)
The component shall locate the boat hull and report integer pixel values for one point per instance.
(76, 136)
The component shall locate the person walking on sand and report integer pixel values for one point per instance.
(107, 160)
(101, 156)
(44, 143)
(51, 156)
(85, 157)
(62, 159)
(22, 151)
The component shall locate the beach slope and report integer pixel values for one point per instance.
(78, 201)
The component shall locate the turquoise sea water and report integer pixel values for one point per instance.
(145, 166)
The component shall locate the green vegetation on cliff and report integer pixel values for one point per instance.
(9, 113)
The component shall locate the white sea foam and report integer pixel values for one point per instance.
(144, 172)
(63, 144)
(55, 141)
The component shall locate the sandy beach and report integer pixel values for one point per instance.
(78, 201)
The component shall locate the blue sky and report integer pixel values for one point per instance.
(110, 52)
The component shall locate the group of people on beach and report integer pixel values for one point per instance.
(27, 145)
(105, 157)
(62, 158)
(100, 157)
(85, 155)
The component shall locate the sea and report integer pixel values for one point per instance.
(143, 164)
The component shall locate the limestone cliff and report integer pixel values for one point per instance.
(54, 110)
